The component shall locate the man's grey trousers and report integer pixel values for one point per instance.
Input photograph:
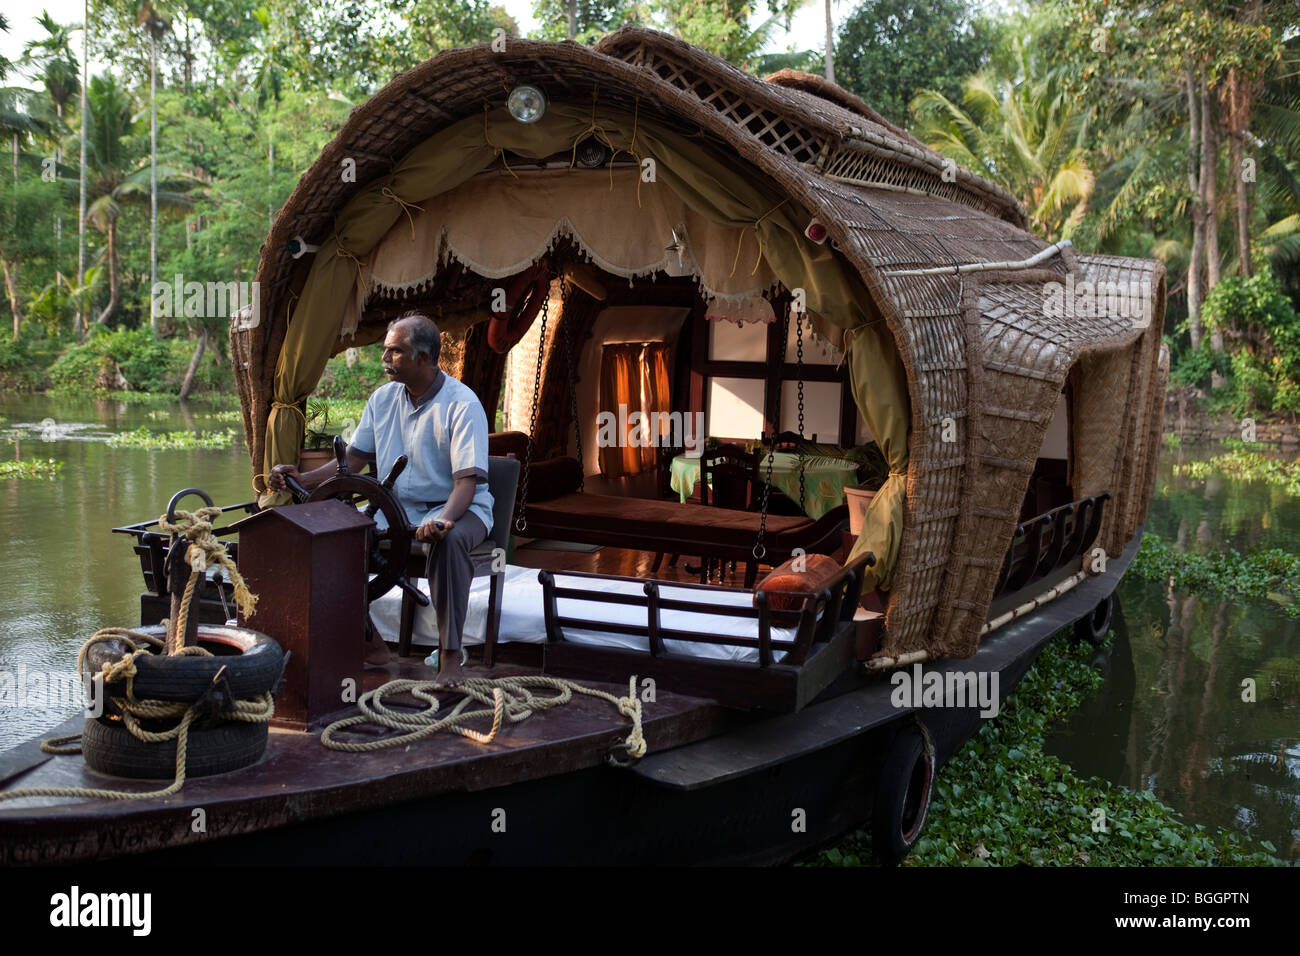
(449, 571)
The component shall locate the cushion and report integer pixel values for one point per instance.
(553, 478)
(503, 444)
(786, 587)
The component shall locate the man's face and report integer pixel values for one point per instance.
(401, 364)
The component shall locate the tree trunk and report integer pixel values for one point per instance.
(11, 289)
(187, 386)
(1210, 209)
(1241, 106)
(112, 274)
(1198, 233)
(573, 18)
(830, 44)
(83, 309)
(153, 176)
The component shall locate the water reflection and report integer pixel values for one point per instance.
(65, 576)
(1175, 716)
(1170, 717)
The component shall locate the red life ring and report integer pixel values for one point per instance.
(527, 294)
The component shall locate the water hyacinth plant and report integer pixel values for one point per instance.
(31, 468)
(143, 438)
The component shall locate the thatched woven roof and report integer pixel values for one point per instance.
(974, 344)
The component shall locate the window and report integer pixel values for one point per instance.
(634, 402)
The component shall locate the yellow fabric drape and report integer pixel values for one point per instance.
(654, 388)
(716, 186)
(620, 391)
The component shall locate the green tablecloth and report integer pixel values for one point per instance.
(823, 483)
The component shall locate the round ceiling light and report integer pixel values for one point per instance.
(590, 154)
(526, 103)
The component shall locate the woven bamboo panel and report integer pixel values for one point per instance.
(1097, 422)
(1019, 365)
(1155, 424)
(978, 351)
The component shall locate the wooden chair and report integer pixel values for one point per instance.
(503, 481)
(729, 476)
(728, 479)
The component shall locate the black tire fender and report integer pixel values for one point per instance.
(251, 672)
(110, 748)
(903, 794)
(1095, 625)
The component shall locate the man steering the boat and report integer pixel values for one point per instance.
(441, 426)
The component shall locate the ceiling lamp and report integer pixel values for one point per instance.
(526, 103)
(590, 154)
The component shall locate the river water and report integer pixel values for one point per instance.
(1170, 718)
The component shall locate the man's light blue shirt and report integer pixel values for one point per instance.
(444, 435)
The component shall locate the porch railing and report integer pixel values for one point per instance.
(1049, 542)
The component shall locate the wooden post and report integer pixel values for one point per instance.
(307, 564)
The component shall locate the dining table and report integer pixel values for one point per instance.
(824, 480)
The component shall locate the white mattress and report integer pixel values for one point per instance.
(522, 618)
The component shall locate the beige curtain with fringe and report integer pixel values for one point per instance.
(716, 187)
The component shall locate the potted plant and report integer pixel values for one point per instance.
(872, 470)
(318, 439)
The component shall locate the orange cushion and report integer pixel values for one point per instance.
(786, 587)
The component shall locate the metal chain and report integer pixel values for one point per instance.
(803, 459)
(521, 523)
(573, 383)
(760, 550)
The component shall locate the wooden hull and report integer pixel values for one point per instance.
(717, 787)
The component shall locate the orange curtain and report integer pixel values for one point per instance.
(654, 389)
(620, 391)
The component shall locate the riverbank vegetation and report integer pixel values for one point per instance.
(1271, 573)
(31, 468)
(142, 437)
(1002, 801)
(1248, 462)
(1191, 157)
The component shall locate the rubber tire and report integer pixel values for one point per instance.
(1095, 625)
(902, 796)
(249, 674)
(109, 748)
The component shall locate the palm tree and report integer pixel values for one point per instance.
(1026, 134)
(115, 176)
(156, 25)
(56, 67)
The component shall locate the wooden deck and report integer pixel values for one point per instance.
(299, 780)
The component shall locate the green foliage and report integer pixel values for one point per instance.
(1002, 801)
(145, 362)
(17, 368)
(1273, 574)
(31, 468)
(1256, 312)
(143, 438)
(356, 382)
(1192, 367)
(593, 18)
(1017, 127)
(888, 51)
(726, 27)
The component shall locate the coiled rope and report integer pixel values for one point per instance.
(504, 699)
(204, 549)
(257, 710)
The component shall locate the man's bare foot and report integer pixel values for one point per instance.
(377, 653)
(451, 673)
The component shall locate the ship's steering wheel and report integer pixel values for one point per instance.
(369, 496)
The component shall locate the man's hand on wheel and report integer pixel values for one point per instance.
(435, 529)
(279, 473)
